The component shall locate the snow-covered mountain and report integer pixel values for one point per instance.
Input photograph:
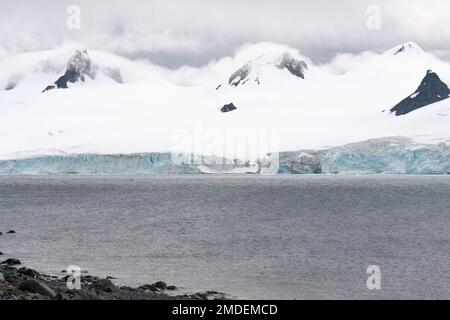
(78, 68)
(254, 70)
(431, 90)
(111, 105)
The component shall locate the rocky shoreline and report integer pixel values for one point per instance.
(18, 282)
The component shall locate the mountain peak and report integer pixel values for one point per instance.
(406, 48)
(431, 90)
(252, 70)
(80, 62)
(78, 66)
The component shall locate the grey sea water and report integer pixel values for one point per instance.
(257, 237)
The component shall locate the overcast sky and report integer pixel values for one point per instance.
(192, 32)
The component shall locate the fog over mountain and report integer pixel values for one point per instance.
(166, 33)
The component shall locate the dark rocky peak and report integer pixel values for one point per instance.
(430, 90)
(78, 67)
(296, 67)
(240, 76)
(80, 63)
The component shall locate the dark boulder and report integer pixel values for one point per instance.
(103, 285)
(148, 287)
(11, 232)
(228, 108)
(89, 279)
(431, 90)
(29, 272)
(35, 286)
(161, 285)
(11, 262)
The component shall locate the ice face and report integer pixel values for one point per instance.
(91, 164)
(388, 155)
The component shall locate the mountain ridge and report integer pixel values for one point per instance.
(151, 105)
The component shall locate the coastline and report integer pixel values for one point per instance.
(18, 282)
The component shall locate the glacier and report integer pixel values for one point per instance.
(91, 164)
(395, 155)
(116, 122)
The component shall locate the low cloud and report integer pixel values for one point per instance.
(177, 32)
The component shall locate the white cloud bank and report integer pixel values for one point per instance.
(178, 32)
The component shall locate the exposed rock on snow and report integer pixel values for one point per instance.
(113, 73)
(240, 76)
(431, 90)
(297, 68)
(228, 108)
(407, 48)
(97, 124)
(78, 67)
(10, 86)
(252, 70)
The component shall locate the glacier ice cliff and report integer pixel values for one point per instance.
(379, 156)
(90, 164)
(388, 155)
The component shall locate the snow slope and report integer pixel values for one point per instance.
(159, 110)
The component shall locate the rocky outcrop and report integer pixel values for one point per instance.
(11, 262)
(36, 286)
(228, 108)
(78, 67)
(431, 90)
(295, 67)
(28, 284)
(240, 76)
(10, 86)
